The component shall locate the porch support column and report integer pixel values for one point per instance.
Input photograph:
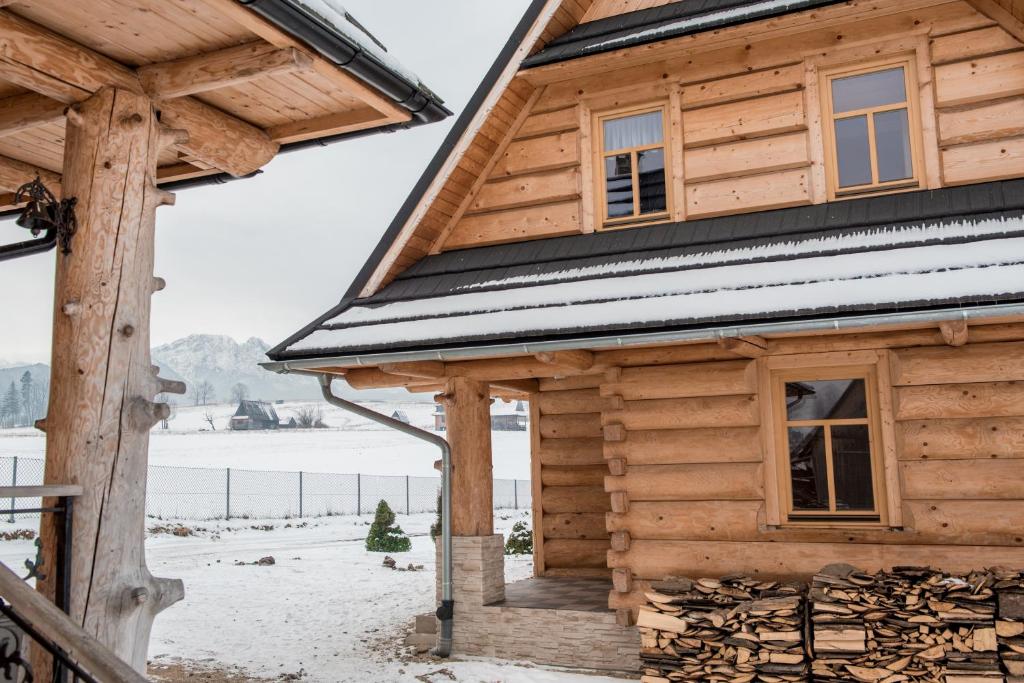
(103, 386)
(468, 418)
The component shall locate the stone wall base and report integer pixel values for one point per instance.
(591, 640)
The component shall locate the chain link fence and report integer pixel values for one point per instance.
(207, 493)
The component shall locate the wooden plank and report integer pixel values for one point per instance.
(962, 479)
(572, 401)
(22, 112)
(960, 46)
(576, 553)
(710, 411)
(982, 522)
(752, 193)
(660, 559)
(743, 87)
(538, 188)
(680, 446)
(14, 174)
(985, 121)
(683, 381)
(993, 399)
(987, 78)
(587, 475)
(579, 525)
(514, 225)
(539, 154)
(720, 520)
(771, 115)
(536, 491)
(574, 359)
(571, 382)
(330, 124)
(571, 451)
(997, 437)
(959, 365)
(983, 161)
(714, 481)
(734, 159)
(549, 122)
(467, 406)
(575, 499)
(571, 426)
(51, 491)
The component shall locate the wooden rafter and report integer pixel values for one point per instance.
(954, 332)
(21, 112)
(14, 174)
(748, 347)
(576, 359)
(999, 14)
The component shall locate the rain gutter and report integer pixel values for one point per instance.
(836, 324)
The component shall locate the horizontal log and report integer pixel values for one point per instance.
(572, 401)
(769, 115)
(993, 399)
(711, 411)
(691, 520)
(983, 161)
(512, 225)
(334, 123)
(21, 112)
(678, 446)
(962, 479)
(747, 157)
(958, 365)
(47, 491)
(983, 41)
(524, 190)
(14, 174)
(968, 522)
(656, 560)
(549, 122)
(539, 154)
(986, 78)
(578, 572)
(581, 525)
(560, 499)
(662, 355)
(566, 553)
(684, 381)
(590, 475)
(571, 451)
(744, 86)
(574, 426)
(994, 437)
(986, 121)
(776, 190)
(719, 481)
(571, 382)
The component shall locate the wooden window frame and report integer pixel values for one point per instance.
(874, 368)
(912, 104)
(602, 222)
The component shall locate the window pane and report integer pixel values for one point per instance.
(869, 90)
(807, 468)
(854, 151)
(833, 399)
(618, 173)
(851, 459)
(651, 166)
(892, 141)
(633, 131)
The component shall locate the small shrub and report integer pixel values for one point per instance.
(520, 540)
(385, 536)
(435, 528)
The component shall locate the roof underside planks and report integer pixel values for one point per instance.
(242, 86)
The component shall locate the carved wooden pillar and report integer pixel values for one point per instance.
(468, 419)
(103, 385)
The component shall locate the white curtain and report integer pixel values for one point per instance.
(633, 131)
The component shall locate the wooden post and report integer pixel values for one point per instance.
(468, 414)
(103, 386)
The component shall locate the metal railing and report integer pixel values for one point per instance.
(208, 493)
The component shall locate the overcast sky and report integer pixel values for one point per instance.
(262, 257)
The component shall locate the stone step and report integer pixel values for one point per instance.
(426, 623)
(421, 641)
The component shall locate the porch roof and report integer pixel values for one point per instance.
(959, 246)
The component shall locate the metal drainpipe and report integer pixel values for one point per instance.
(445, 613)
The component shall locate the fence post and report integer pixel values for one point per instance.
(515, 493)
(407, 510)
(227, 498)
(359, 494)
(300, 494)
(14, 482)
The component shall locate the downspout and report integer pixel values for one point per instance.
(445, 613)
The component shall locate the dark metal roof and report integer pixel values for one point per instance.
(661, 23)
(502, 279)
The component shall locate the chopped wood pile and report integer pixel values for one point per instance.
(1009, 589)
(734, 629)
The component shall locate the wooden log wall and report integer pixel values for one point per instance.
(680, 448)
(746, 136)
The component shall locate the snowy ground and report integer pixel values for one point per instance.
(327, 608)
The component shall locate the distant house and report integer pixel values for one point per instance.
(255, 415)
(401, 416)
(505, 417)
(290, 423)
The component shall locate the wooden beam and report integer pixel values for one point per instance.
(748, 347)
(220, 69)
(517, 387)
(40, 491)
(14, 174)
(467, 406)
(994, 11)
(21, 112)
(375, 378)
(954, 332)
(575, 359)
(430, 369)
(330, 124)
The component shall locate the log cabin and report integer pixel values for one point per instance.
(111, 105)
(758, 268)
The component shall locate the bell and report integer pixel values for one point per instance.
(36, 216)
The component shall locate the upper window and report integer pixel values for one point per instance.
(831, 469)
(871, 129)
(633, 187)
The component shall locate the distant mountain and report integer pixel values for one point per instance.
(223, 362)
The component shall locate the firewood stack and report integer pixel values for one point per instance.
(1009, 589)
(908, 625)
(734, 629)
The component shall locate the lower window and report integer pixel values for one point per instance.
(830, 469)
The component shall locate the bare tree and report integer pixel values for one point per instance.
(239, 392)
(208, 416)
(202, 393)
(310, 416)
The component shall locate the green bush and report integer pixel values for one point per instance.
(385, 536)
(435, 528)
(520, 540)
